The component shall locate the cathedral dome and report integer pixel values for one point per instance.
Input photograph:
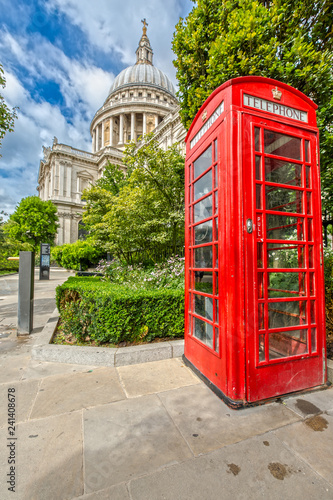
(142, 74)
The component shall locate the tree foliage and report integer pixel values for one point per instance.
(141, 212)
(34, 221)
(7, 116)
(77, 255)
(288, 40)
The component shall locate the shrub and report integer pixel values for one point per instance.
(328, 269)
(108, 312)
(168, 274)
(72, 255)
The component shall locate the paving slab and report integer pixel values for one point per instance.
(156, 376)
(12, 367)
(143, 353)
(207, 423)
(250, 470)
(70, 392)
(49, 459)
(25, 393)
(312, 441)
(118, 492)
(127, 439)
(311, 403)
(40, 369)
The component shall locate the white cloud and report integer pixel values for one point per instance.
(31, 60)
(112, 27)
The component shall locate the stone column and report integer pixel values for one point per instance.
(103, 132)
(132, 126)
(97, 138)
(61, 180)
(111, 131)
(67, 230)
(156, 121)
(69, 181)
(144, 128)
(121, 129)
(52, 181)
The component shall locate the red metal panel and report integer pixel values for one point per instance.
(245, 311)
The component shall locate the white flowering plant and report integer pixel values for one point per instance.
(166, 274)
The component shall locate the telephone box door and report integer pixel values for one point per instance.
(283, 259)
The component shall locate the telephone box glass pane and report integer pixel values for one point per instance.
(216, 199)
(307, 174)
(313, 311)
(280, 255)
(285, 344)
(312, 286)
(286, 284)
(203, 185)
(216, 311)
(313, 339)
(258, 169)
(203, 209)
(203, 306)
(310, 230)
(258, 197)
(307, 151)
(257, 139)
(261, 317)
(259, 255)
(311, 262)
(203, 281)
(203, 162)
(216, 177)
(261, 347)
(203, 257)
(217, 340)
(282, 145)
(283, 172)
(203, 233)
(283, 200)
(281, 227)
(285, 314)
(203, 331)
(308, 203)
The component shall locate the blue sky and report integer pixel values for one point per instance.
(60, 58)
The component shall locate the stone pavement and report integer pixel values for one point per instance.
(148, 431)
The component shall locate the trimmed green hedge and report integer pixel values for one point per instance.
(106, 312)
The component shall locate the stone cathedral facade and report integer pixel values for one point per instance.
(141, 100)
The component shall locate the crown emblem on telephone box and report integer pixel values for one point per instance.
(277, 94)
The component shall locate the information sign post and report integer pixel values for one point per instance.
(44, 268)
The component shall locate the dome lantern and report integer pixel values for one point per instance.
(144, 52)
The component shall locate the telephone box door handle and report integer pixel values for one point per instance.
(249, 226)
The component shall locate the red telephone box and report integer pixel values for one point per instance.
(254, 320)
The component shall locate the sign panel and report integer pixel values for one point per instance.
(275, 108)
(44, 268)
(218, 111)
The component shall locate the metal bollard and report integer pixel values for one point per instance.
(26, 293)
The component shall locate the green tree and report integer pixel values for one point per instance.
(7, 116)
(288, 40)
(34, 221)
(8, 248)
(143, 212)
